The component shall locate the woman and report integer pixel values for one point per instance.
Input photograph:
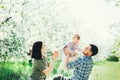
(40, 65)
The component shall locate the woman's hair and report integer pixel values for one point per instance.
(36, 50)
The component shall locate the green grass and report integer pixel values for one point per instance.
(14, 71)
(106, 71)
(103, 70)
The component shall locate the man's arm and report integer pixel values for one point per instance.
(70, 65)
(77, 63)
(67, 57)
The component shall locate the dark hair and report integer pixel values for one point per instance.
(36, 50)
(94, 49)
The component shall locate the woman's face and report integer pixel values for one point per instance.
(43, 48)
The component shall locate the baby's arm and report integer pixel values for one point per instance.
(66, 49)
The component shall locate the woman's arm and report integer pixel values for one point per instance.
(50, 68)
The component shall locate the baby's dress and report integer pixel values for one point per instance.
(72, 49)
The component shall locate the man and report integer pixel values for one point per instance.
(82, 66)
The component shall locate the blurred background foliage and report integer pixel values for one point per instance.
(22, 22)
(25, 21)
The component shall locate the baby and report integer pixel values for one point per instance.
(72, 47)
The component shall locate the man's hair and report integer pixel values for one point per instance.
(77, 36)
(94, 49)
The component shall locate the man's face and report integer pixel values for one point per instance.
(87, 51)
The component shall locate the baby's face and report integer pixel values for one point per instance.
(76, 41)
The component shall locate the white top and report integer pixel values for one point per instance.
(73, 48)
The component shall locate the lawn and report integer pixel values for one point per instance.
(15, 70)
(104, 70)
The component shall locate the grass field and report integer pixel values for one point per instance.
(104, 70)
(15, 70)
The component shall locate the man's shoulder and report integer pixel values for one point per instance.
(80, 59)
(87, 58)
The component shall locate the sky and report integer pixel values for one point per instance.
(94, 11)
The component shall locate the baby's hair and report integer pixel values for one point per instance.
(77, 36)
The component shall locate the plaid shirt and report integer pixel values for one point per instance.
(82, 68)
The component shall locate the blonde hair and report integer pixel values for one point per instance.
(77, 36)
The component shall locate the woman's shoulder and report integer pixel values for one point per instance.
(43, 58)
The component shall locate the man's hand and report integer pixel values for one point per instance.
(75, 54)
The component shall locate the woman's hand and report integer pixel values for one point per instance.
(48, 70)
(55, 56)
